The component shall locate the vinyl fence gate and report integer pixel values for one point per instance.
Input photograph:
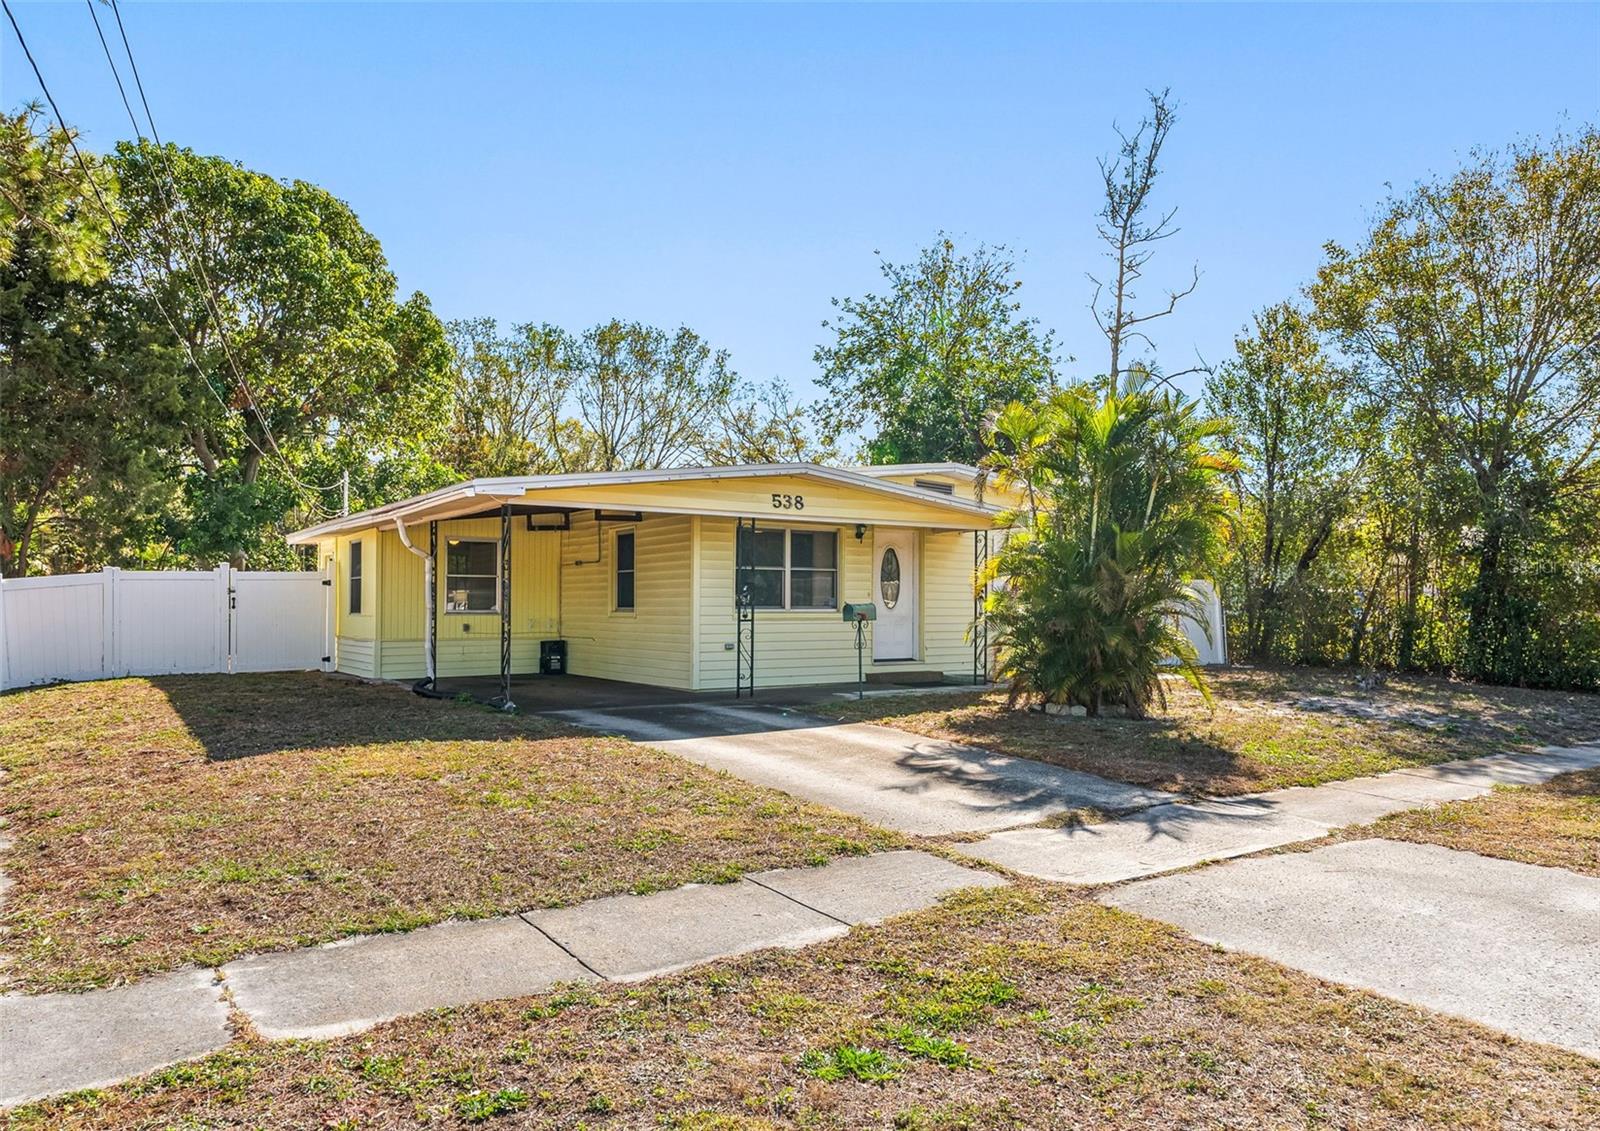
(168, 622)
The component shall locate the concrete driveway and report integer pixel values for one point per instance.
(1513, 946)
(901, 781)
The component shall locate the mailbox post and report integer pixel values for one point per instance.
(860, 614)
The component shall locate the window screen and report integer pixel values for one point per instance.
(472, 576)
(355, 577)
(813, 569)
(764, 551)
(625, 569)
(789, 569)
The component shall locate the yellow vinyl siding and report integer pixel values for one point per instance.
(799, 647)
(357, 656)
(961, 487)
(355, 633)
(651, 642)
(947, 601)
(793, 646)
(469, 643)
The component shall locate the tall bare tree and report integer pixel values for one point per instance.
(1130, 231)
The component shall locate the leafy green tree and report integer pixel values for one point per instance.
(920, 367)
(1125, 504)
(288, 307)
(84, 404)
(1472, 306)
(764, 424)
(645, 397)
(1293, 417)
(510, 395)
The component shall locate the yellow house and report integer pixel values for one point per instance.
(693, 578)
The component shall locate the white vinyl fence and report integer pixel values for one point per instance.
(1209, 635)
(134, 622)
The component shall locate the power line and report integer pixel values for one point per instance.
(116, 227)
(210, 298)
(111, 216)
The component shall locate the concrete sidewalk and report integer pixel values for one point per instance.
(1167, 837)
(1512, 946)
(903, 781)
(56, 1043)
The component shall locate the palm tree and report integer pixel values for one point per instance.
(1123, 505)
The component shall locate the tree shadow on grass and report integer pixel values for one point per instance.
(243, 716)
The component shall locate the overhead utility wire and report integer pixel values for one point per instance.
(111, 215)
(211, 299)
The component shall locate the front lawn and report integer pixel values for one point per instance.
(1556, 824)
(163, 822)
(1270, 728)
(1024, 1007)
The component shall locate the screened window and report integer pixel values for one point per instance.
(355, 577)
(471, 576)
(790, 569)
(624, 558)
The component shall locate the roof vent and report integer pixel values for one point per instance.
(936, 485)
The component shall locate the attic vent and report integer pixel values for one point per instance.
(936, 485)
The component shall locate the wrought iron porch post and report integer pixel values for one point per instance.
(980, 612)
(505, 608)
(433, 605)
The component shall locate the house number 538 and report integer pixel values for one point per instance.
(788, 502)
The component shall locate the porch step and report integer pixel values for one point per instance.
(909, 677)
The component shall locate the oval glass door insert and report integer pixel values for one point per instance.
(889, 578)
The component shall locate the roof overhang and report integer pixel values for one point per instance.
(609, 490)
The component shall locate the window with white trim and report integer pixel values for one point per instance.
(624, 571)
(789, 569)
(471, 576)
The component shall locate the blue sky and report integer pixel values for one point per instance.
(732, 167)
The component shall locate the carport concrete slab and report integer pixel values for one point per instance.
(347, 986)
(901, 781)
(53, 1043)
(1513, 946)
(1156, 840)
(629, 937)
(1414, 789)
(869, 889)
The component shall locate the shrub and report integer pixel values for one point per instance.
(1124, 506)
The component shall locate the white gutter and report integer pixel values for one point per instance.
(427, 573)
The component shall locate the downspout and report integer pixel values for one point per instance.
(431, 682)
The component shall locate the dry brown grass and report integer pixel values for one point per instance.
(1028, 1007)
(1257, 737)
(164, 822)
(1556, 824)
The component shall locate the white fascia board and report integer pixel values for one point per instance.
(960, 470)
(510, 488)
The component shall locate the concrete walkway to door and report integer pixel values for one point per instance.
(899, 780)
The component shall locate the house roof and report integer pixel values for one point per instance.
(958, 470)
(473, 496)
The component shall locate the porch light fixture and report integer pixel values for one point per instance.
(861, 531)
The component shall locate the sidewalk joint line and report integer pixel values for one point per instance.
(798, 902)
(523, 915)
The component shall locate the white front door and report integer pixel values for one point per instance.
(894, 591)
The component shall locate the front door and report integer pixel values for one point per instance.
(894, 591)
